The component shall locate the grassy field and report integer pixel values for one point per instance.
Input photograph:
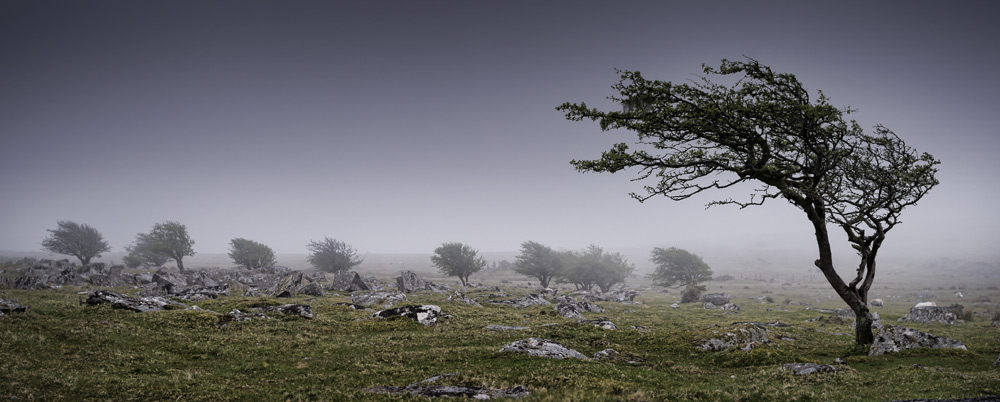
(62, 349)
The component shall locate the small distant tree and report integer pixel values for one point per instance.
(250, 254)
(332, 255)
(168, 239)
(679, 268)
(142, 252)
(539, 261)
(80, 241)
(593, 267)
(457, 259)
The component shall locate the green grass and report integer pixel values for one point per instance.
(64, 350)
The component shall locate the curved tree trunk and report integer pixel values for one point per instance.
(180, 264)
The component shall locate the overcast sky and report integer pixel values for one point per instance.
(399, 125)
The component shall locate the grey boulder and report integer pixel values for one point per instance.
(426, 314)
(894, 338)
(542, 348)
(809, 368)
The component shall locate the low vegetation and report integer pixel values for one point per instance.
(62, 349)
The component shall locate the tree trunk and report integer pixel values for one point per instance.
(180, 264)
(863, 320)
(545, 281)
(84, 261)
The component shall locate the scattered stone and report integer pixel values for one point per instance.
(138, 304)
(894, 338)
(718, 299)
(614, 355)
(839, 361)
(763, 324)
(542, 348)
(708, 305)
(526, 301)
(351, 306)
(877, 303)
(422, 388)
(930, 314)
(287, 286)
(601, 323)
(427, 314)
(312, 289)
(201, 293)
(809, 368)
(569, 310)
(675, 305)
(460, 297)
(493, 327)
(11, 306)
(239, 316)
(300, 310)
(621, 295)
(409, 282)
(731, 307)
(386, 299)
(744, 336)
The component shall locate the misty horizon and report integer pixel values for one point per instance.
(397, 127)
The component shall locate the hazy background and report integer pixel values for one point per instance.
(399, 125)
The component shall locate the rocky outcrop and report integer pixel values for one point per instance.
(580, 305)
(11, 306)
(384, 299)
(138, 304)
(601, 323)
(542, 348)
(745, 336)
(287, 286)
(425, 388)
(894, 338)
(239, 316)
(621, 295)
(731, 307)
(409, 282)
(809, 368)
(427, 314)
(459, 297)
(718, 299)
(569, 310)
(348, 281)
(930, 314)
(300, 310)
(526, 301)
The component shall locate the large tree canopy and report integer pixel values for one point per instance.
(80, 241)
(539, 261)
(332, 255)
(170, 239)
(250, 254)
(762, 128)
(457, 259)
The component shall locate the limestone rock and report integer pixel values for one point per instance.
(708, 305)
(11, 306)
(929, 314)
(894, 338)
(621, 295)
(138, 304)
(542, 348)
(239, 316)
(494, 327)
(423, 388)
(569, 310)
(460, 297)
(741, 335)
(876, 303)
(526, 301)
(731, 307)
(348, 281)
(427, 314)
(409, 282)
(718, 299)
(601, 323)
(287, 286)
(614, 355)
(300, 310)
(312, 289)
(385, 299)
(809, 368)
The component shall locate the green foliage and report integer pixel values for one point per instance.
(678, 267)
(168, 239)
(143, 252)
(250, 254)
(80, 241)
(539, 261)
(332, 255)
(593, 267)
(457, 259)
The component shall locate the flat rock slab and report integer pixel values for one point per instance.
(138, 304)
(11, 306)
(424, 388)
(426, 314)
(300, 310)
(930, 314)
(894, 338)
(809, 368)
(542, 348)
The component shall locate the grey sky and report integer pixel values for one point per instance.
(396, 126)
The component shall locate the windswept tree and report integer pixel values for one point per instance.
(594, 267)
(250, 254)
(457, 259)
(169, 239)
(539, 261)
(762, 128)
(679, 268)
(142, 252)
(78, 240)
(332, 255)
